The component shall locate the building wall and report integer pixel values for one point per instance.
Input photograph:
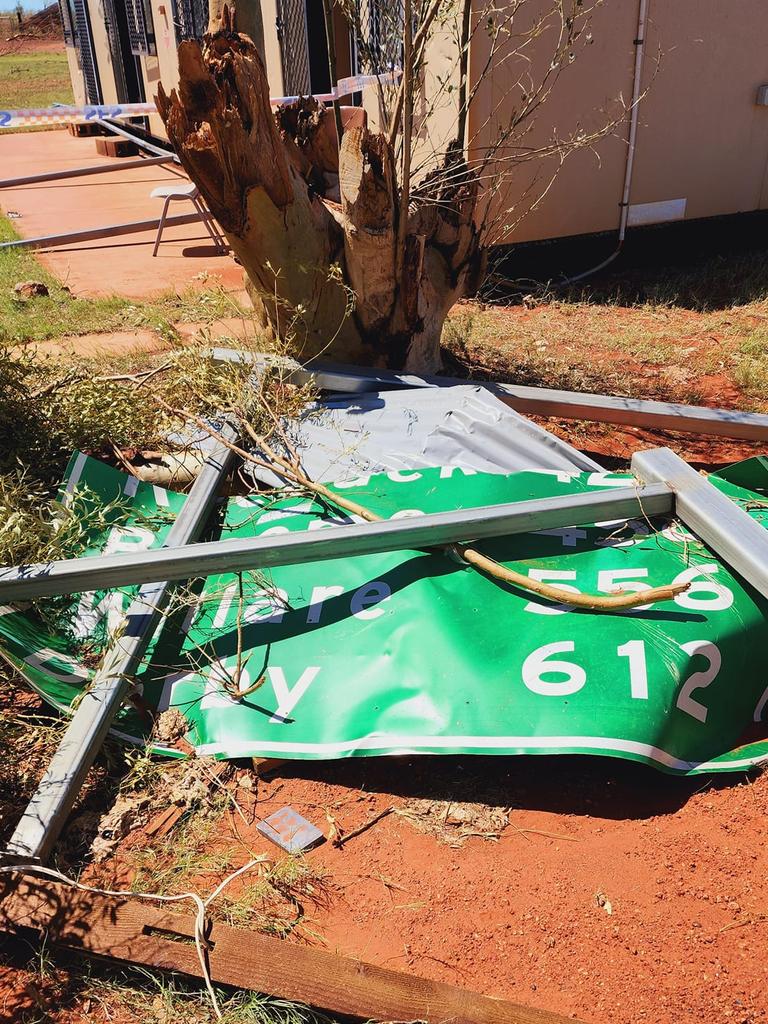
(162, 66)
(701, 138)
(78, 85)
(702, 147)
(102, 51)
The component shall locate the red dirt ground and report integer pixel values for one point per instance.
(682, 864)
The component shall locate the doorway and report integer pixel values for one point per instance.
(127, 68)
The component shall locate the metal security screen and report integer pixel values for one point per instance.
(66, 23)
(113, 34)
(191, 19)
(87, 56)
(377, 39)
(140, 27)
(294, 46)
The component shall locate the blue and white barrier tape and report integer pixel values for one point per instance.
(60, 114)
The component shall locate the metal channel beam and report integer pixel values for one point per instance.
(126, 133)
(79, 172)
(47, 811)
(720, 523)
(573, 405)
(89, 234)
(239, 554)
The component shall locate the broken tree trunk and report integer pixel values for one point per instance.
(315, 225)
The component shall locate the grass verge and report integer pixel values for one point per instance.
(34, 80)
(60, 314)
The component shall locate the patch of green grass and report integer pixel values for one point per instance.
(34, 80)
(59, 314)
(160, 1000)
(750, 364)
(177, 862)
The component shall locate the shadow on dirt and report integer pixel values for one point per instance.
(581, 785)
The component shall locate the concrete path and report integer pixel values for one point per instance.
(229, 331)
(119, 266)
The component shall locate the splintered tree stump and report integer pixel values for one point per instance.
(315, 226)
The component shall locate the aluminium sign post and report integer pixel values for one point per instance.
(727, 529)
(433, 530)
(47, 811)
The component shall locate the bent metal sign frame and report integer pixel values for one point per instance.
(412, 652)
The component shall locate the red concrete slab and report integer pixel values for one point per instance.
(123, 265)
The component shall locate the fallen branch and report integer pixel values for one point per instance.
(339, 839)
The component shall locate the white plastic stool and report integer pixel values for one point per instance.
(191, 193)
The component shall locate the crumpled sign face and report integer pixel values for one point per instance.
(412, 652)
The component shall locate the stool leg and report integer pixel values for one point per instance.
(220, 240)
(161, 225)
(223, 245)
(206, 218)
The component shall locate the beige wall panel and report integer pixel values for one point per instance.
(701, 134)
(162, 67)
(102, 51)
(78, 84)
(531, 199)
(437, 98)
(272, 52)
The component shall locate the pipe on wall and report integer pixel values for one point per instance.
(634, 115)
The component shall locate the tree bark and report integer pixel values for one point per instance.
(316, 227)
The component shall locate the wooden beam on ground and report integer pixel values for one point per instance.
(131, 931)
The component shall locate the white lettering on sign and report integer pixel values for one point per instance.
(446, 472)
(699, 680)
(704, 594)
(266, 606)
(554, 576)
(128, 538)
(322, 524)
(222, 611)
(608, 480)
(289, 696)
(90, 613)
(400, 476)
(371, 594)
(624, 581)
(42, 659)
(638, 670)
(536, 665)
(282, 513)
(319, 596)
(222, 673)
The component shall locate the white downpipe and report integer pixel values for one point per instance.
(634, 115)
